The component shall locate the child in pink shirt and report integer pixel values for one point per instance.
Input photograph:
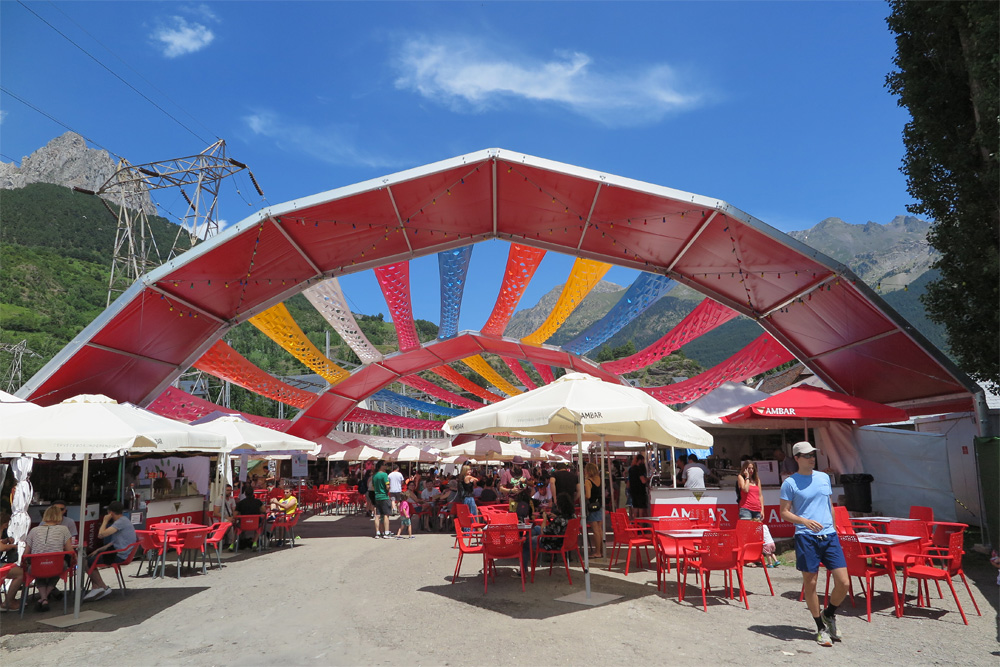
(404, 520)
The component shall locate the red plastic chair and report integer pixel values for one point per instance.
(858, 565)
(286, 524)
(916, 566)
(127, 555)
(191, 542)
(569, 544)
(717, 551)
(750, 541)
(44, 566)
(630, 538)
(500, 543)
(504, 519)
(842, 520)
(469, 523)
(215, 540)
(467, 544)
(151, 544)
(704, 518)
(921, 512)
(250, 523)
(919, 529)
(666, 548)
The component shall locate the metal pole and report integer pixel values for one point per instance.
(81, 557)
(583, 507)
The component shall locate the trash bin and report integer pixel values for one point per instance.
(857, 492)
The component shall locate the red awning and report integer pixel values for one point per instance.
(807, 402)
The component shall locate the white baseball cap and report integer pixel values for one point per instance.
(800, 448)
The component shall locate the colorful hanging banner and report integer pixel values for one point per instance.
(646, 290)
(398, 400)
(394, 279)
(328, 299)
(760, 356)
(518, 370)
(545, 372)
(456, 378)
(522, 261)
(481, 366)
(434, 390)
(182, 406)
(362, 416)
(706, 316)
(225, 363)
(584, 277)
(279, 325)
(454, 267)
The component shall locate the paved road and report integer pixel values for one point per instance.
(344, 598)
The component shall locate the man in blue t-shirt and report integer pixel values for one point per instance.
(118, 534)
(806, 503)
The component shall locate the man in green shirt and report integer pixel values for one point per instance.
(383, 506)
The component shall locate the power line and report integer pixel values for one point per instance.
(115, 74)
(135, 71)
(57, 121)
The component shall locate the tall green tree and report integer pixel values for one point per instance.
(947, 72)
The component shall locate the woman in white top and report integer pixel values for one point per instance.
(48, 537)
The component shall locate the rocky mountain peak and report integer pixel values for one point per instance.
(67, 161)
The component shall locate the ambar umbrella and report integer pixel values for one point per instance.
(812, 403)
(411, 454)
(584, 405)
(479, 449)
(360, 452)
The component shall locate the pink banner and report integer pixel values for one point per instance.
(706, 316)
(518, 370)
(225, 363)
(394, 279)
(362, 416)
(759, 356)
(429, 387)
(182, 406)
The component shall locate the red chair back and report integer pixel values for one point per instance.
(854, 554)
(129, 552)
(501, 541)
(719, 550)
(194, 539)
(956, 550)
(750, 540)
(47, 565)
(915, 528)
(219, 532)
(572, 534)
(705, 518)
(249, 522)
(150, 540)
(921, 512)
(504, 519)
(842, 520)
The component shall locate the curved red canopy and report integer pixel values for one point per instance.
(815, 307)
(805, 402)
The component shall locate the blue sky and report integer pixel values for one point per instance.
(778, 108)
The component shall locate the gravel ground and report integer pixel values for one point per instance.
(342, 597)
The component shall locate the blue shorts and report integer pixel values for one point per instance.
(746, 514)
(811, 550)
(594, 517)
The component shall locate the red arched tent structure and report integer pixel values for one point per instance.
(813, 306)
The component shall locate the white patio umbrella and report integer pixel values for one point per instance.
(95, 425)
(360, 452)
(582, 404)
(12, 405)
(241, 434)
(479, 449)
(411, 454)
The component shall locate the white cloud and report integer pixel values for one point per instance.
(333, 144)
(464, 76)
(177, 36)
(3, 116)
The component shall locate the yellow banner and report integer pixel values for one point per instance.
(585, 275)
(278, 325)
(481, 366)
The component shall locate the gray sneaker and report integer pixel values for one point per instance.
(823, 638)
(830, 623)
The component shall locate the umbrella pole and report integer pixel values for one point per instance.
(604, 480)
(805, 429)
(583, 507)
(673, 465)
(81, 560)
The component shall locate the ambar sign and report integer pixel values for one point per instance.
(779, 411)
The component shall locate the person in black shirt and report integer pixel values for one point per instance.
(637, 487)
(564, 481)
(249, 506)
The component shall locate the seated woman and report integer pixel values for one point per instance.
(554, 524)
(48, 537)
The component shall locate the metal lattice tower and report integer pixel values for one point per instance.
(12, 378)
(135, 248)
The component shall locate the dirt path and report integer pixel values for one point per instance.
(344, 598)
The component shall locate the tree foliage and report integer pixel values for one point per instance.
(948, 68)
